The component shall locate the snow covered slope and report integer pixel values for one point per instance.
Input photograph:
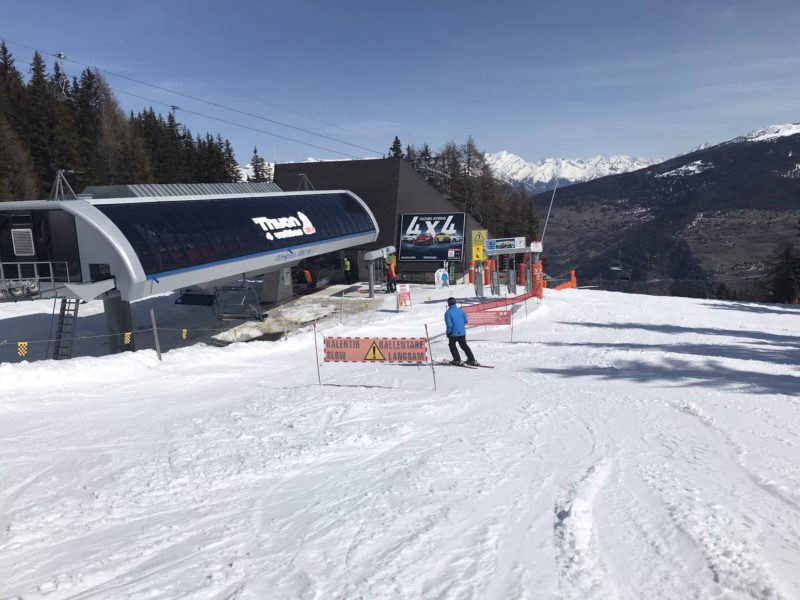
(623, 447)
(770, 133)
(542, 175)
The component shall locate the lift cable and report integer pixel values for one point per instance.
(227, 122)
(61, 56)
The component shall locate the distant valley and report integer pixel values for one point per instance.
(700, 224)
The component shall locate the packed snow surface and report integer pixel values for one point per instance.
(622, 447)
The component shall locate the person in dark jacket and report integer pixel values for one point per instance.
(456, 321)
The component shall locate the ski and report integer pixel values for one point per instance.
(447, 363)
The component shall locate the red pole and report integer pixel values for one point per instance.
(430, 356)
(316, 352)
(472, 271)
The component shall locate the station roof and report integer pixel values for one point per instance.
(149, 190)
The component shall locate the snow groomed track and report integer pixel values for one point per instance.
(623, 447)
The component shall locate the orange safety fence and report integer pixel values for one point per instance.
(568, 285)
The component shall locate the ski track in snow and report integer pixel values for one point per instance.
(623, 447)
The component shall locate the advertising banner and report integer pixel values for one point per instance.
(505, 245)
(368, 349)
(479, 237)
(432, 236)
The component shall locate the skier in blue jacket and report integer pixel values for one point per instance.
(456, 321)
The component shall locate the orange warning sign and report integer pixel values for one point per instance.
(367, 349)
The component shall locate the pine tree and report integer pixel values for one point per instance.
(411, 156)
(40, 124)
(425, 154)
(17, 176)
(259, 166)
(396, 150)
(66, 147)
(231, 166)
(785, 283)
(12, 92)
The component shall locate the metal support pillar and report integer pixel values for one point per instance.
(479, 280)
(371, 264)
(119, 321)
(512, 281)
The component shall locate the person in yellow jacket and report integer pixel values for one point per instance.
(348, 274)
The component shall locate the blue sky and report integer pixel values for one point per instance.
(539, 79)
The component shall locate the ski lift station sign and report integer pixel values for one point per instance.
(432, 236)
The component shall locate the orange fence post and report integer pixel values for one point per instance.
(487, 272)
(472, 272)
(572, 279)
(538, 280)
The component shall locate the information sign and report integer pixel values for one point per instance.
(489, 317)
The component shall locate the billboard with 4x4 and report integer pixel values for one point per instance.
(432, 236)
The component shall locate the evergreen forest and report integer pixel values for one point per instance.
(49, 123)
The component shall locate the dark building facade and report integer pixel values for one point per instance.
(390, 188)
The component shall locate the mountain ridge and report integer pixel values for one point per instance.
(687, 225)
(542, 175)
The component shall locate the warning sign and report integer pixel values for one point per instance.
(367, 349)
(374, 353)
(479, 237)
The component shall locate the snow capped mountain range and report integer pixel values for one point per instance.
(770, 133)
(542, 175)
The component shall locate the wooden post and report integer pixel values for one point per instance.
(155, 333)
(316, 352)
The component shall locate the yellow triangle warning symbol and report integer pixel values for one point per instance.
(374, 353)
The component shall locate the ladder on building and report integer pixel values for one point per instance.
(65, 329)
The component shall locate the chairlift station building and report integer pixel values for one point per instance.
(124, 243)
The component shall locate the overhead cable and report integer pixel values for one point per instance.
(61, 56)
